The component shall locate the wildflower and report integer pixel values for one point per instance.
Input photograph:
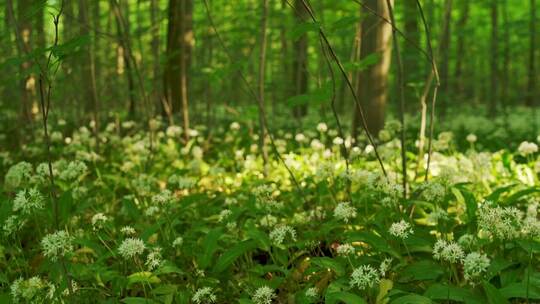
(471, 138)
(527, 148)
(337, 141)
(128, 230)
(18, 174)
(263, 295)
(401, 229)
(13, 224)
(74, 170)
(501, 223)
(204, 295)
(131, 247)
(279, 234)
(98, 220)
(364, 276)
(154, 259)
(433, 191)
(173, 131)
(164, 197)
(224, 214)
(466, 240)
(345, 249)
(312, 292)
(28, 201)
(344, 211)
(385, 266)
(178, 242)
(235, 126)
(268, 220)
(448, 251)
(474, 265)
(57, 244)
(33, 290)
(151, 211)
(300, 137)
(322, 127)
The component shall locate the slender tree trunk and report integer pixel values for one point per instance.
(505, 73)
(261, 82)
(300, 58)
(461, 50)
(411, 60)
(494, 58)
(532, 75)
(444, 52)
(373, 82)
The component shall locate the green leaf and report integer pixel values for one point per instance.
(210, 245)
(520, 290)
(227, 258)
(520, 194)
(373, 240)
(495, 195)
(137, 300)
(343, 296)
(364, 63)
(143, 277)
(493, 295)
(421, 271)
(303, 28)
(329, 263)
(444, 292)
(412, 299)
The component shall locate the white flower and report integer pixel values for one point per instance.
(224, 214)
(385, 266)
(57, 244)
(98, 220)
(173, 131)
(338, 141)
(18, 174)
(344, 211)
(369, 149)
(300, 137)
(178, 242)
(364, 276)
(279, 234)
(448, 251)
(28, 201)
(73, 171)
(471, 138)
(263, 295)
(164, 197)
(131, 247)
(474, 265)
(312, 292)
(345, 249)
(204, 295)
(322, 127)
(235, 126)
(128, 230)
(501, 223)
(401, 229)
(526, 148)
(154, 259)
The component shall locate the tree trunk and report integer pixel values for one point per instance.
(261, 82)
(461, 51)
(373, 82)
(494, 58)
(444, 52)
(179, 42)
(531, 83)
(411, 60)
(300, 64)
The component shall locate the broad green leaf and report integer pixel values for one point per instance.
(210, 245)
(421, 271)
(458, 294)
(493, 295)
(143, 277)
(521, 291)
(520, 194)
(373, 240)
(412, 299)
(137, 300)
(343, 296)
(329, 263)
(229, 256)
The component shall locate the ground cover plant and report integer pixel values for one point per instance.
(269, 152)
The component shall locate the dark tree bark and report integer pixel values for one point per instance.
(300, 61)
(373, 82)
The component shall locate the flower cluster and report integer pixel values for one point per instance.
(474, 265)
(131, 247)
(448, 251)
(401, 229)
(28, 201)
(527, 148)
(279, 234)
(344, 211)
(364, 276)
(32, 290)
(263, 295)
(503, 223)
(345, 249)
(204, 295)
(57, 244)
(154, 259)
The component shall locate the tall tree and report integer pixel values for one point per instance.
(178, 53)
(494, 58)
(300, 60)
(410, 56)
(444, 54)
(461, 50)
(373, 82)
(261, 83)
(531, 83)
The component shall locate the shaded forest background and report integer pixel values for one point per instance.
(186, 61)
